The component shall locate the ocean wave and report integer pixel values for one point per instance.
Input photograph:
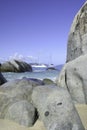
(38, 74)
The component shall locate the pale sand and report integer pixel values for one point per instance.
(9, 125)
(82, 110)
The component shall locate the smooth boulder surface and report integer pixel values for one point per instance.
(15, 66)
(15, 101)
(74, 78)
(56, 108)
(73, 75)
(6, 100)
(20, 88)
(21, 112)
(77, 40)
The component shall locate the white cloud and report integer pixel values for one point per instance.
(17, 56)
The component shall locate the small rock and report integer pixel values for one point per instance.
(48, 81)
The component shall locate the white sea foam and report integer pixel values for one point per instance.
(38, 74)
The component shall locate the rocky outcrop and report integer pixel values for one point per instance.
(77, 40)
(74, 78)
(56, 108)
(23, 100)
(74, 74)
(15, 101)
(15, 66)
(2, 79)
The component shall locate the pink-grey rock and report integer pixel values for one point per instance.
(56, 108)
(15, 101)
(73, 77)
(77, 40)
(15, 66)
(21, 112)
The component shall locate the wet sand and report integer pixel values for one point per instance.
(9, 125)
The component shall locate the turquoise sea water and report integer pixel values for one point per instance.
(39, 73)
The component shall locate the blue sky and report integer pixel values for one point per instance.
(36, 29)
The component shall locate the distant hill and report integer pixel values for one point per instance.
(59, 67)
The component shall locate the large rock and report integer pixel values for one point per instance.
(74, 78)
(15, 66)
(21, 112)
(74, 74)
(56, 108)
(77, 41)
(6, 100)
(2, 79)
(20, 88)
(15, 101)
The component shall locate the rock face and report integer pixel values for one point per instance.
(15, 66)
(74, 78)
(20, 89)
(74, 74)
(56, 109)
(2, 79)
(21, 112)
(15, 101)
(77, 41)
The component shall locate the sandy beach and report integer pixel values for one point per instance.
(9, 125)
(82, 110)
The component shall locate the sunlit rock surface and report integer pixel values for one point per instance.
(77, 40)
(73, 77)
(55, 108)
(15, 66)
